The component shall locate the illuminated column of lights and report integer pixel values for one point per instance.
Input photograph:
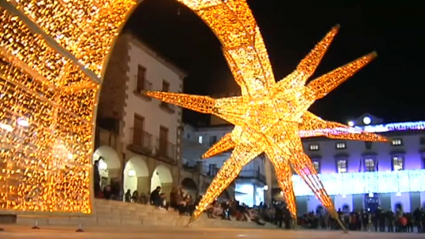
(46, 116)
(85, 28)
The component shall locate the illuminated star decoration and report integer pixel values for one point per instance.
(272, 117)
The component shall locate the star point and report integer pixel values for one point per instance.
(270, 117)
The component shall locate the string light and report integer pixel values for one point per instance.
(46, 116)
(48, 162)
(268, 116)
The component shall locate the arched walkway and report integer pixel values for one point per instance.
(346, 208)
(190, 186)
(162, 177)
(136, 175)
(109, 164)
(398, 207)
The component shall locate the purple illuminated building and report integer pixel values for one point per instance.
(364, 175)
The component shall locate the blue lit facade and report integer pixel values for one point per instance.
(360, 175)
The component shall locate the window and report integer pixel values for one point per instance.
(340, 145)
(212, 169)
(163, 140)
(313, 147)
(422, 141)
(368, 145)
(342, 165)
(369, 164)
(397, 162)
(396, 142)
(165, 86)
(316, 164)
(200, 139)
(188, 136)
(141, 79)
(138, 124)
(213, 140)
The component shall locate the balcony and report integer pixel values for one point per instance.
(167, 107)
(141, 142)
(166, 151)
(141, 88)
(252, 174)
(209, 171)
(106, 137)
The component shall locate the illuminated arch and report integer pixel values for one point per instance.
(190, 185)
(163, 178)
(55, 68)
(136, 168)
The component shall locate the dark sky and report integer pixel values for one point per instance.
(391, 87)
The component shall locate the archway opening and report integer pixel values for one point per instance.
(190, 186)
(345, 209)
(319, 210)
(162, 177)
(398, 207)
(109, 164)
(136, 176)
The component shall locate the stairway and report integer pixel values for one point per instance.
(117, 214)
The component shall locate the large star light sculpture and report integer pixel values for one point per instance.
(272, 117)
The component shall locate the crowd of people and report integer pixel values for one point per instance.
(278, 214)
(378, 221)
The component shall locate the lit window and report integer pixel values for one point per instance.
(316, 166)
(396, 142)
(397, 163)
(314, 147)
(369, 164)
(342, 165)
(341, 145)
(200, 139)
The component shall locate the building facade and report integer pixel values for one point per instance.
(137, 137)
(249, 187)
(364, 175)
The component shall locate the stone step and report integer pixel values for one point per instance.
(114, 213)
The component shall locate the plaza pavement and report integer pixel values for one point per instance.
(23, 232)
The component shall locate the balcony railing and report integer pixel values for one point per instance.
(252, 174)
(167, 107)
(145, 86)
(209, 171)
(141, 141)
(166, 150)
(106, 137)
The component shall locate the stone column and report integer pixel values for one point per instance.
(166, 188)
(143, 184)
(269, 180)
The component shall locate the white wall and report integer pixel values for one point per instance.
(218, 132)
(154, 116)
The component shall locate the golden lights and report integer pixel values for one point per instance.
(47, 102)
(46, 114)
(269, 117)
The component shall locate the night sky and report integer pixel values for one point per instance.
(391, 87)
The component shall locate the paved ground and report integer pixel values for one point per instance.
(20, 232)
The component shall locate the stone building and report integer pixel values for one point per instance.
(137, 137)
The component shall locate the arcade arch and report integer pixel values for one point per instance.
(190, 186)
(109, 164)
(163, 178)
(346, 209)
(136, 175)
(398, 207)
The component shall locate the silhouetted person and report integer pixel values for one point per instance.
(96, 177)
(154, 197)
